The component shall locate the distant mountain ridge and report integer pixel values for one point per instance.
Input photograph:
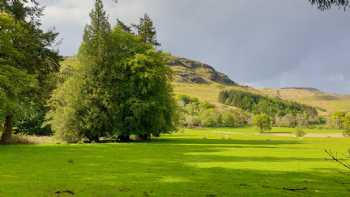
(190, 71)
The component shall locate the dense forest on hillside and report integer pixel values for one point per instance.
(257, 104)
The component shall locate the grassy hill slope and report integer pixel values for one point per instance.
(202, 81)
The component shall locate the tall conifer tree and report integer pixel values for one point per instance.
(95, 56)
(146, 31)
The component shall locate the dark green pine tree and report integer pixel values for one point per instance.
(96, 35)
(146, 31)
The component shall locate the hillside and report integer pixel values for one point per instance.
(326, 102)
(202, 81)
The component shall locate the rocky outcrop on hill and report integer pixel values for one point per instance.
(189, 71)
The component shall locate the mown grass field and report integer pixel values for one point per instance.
(196, 162)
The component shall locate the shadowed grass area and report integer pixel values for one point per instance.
(199, 162)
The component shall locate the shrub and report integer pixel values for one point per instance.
(346, 133)
(300, 133)
(228, 119)
(210, 118)
(191, 121)
(32, 123)
(288, 120)
(194, 113)
(263, 122)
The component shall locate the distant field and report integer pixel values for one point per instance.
(193, 162)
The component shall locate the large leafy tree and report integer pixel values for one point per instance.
(28, 49)
(145, 102)
(121, 87)
(15, 83)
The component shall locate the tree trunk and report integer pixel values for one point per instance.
(6, 135)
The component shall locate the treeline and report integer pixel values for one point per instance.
(282, 113)
(195, 113)
(257, 104)
(339, 120)
(120, 88)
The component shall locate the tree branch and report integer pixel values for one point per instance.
(335, 158)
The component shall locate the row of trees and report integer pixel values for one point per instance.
(194, 113)
(122, 86)
(340, 120)
(258, 104)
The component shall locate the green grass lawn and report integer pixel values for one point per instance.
(197, 162)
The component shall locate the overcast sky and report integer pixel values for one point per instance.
(264, 43)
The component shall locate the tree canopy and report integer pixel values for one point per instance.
(257, 104)
(121, 88)
(146, 30)
(27, 58)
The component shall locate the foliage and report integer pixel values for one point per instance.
(263, 122)
(146, 31)
(27, 49)
(257, 104)
(300, 133)
(339, 120)
(194, 113)
(64, 103)
(31, 122)
(346, 133)
(346, 121)
(121, 87)
(13, 96)
(123, 26)
(210, 118)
